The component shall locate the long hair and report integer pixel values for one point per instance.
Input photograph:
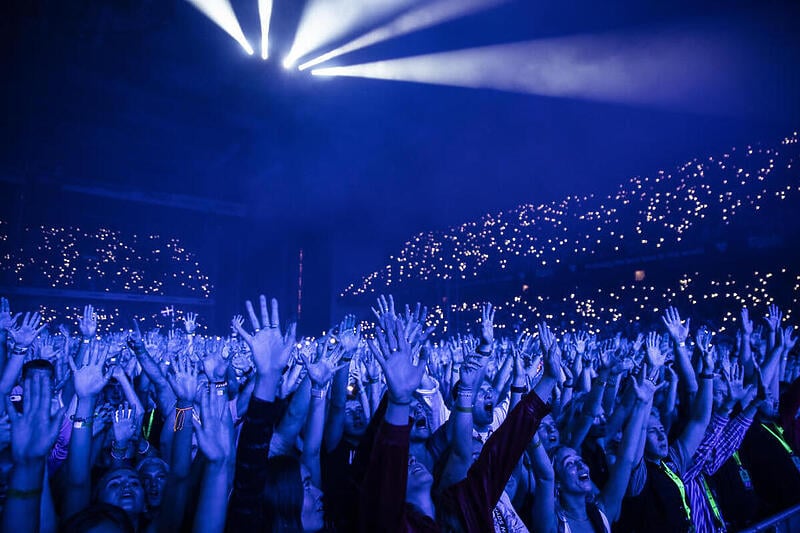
(283, 495)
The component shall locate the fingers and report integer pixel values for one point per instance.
(252, 314)
(262, 300)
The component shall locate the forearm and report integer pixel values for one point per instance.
(11, 374)
(181, 453)
(312, 443)
(684, 368)
(610, 393)
(334, 428)
(23, 498)
(296, 413)
(266, 386)
(544, 503)
(131, 396)
(79, 457)
(614, 490)
(212, 505)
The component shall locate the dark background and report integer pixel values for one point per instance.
(124, 113)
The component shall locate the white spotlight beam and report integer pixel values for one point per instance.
(417, 19)
(657, 68)
(221, 13)
(325, 21)
(264, 16)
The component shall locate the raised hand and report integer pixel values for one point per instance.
(471, 370)
(292, 380)
(214, 364)
(183, 378)
(487, 325)
(654, 355)
(270, 348)
(124, 423)
(322, 370)
(677, 329)
(349, 334)
(644, 387)
(34, 431)
(28, 330)
(737, 392)
(87, 324)
(394, 355)
(385, 310)
(774, 317)
(214, 432)
(789, 341)
(88, 375)
(637, 344)
(747, 324)
(546, 336)
(190, 323)
(6, 319)
(581, 338)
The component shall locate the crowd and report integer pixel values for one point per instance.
(735, 195)
(676, 428)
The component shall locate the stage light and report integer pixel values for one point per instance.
(264, 16)
(417, 19)
(665, 69)
(325, 21)
(221, 13)
(288, 63)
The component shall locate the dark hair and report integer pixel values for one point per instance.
(283, 495)
(95, 515)
(37, 364)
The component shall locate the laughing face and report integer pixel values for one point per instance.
(572, 474)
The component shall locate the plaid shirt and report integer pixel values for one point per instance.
(722, 438)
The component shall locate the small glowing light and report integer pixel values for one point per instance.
(264, 15)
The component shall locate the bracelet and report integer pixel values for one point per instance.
(519, 390)
(463, 409)
(146, 449)
(485, 354)
(23, 494)
(705, 375)
(180, 417)
(318, 393)
(81, 423)
(118, 448)
(682, 344)
(372, 381)
(20, 350)
(392, 400)
(118, 457)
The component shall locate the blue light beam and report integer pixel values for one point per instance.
(415, 20)
(221, 13)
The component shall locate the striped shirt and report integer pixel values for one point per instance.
(722, 438)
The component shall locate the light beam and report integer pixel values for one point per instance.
(663, 68)
(264, 16)
(417, 19)
(221, 13)
(325, 21)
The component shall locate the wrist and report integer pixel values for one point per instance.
(182, 403)
(403, 401)
(484, 349)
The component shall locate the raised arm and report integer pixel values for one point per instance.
(611, 496)
(89, 379)
(33, 433)
(22, 336)
(542, 515)
(700, 413)
(320, 372)
(271, 351)
(679, 332)
(215, 439)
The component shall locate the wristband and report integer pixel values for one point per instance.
(23, 494)
(372, 381)
(463, 409)
(705, 375)
(81, 423)
(86, 340)
(180, 418)
(392, 400)
(19, 350)
(520, 390)
(682, 344)
(482, 352)
(318, 393)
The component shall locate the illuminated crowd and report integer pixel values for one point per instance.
(703, 199)
(679, 426)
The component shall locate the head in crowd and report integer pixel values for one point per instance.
(291, 502)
